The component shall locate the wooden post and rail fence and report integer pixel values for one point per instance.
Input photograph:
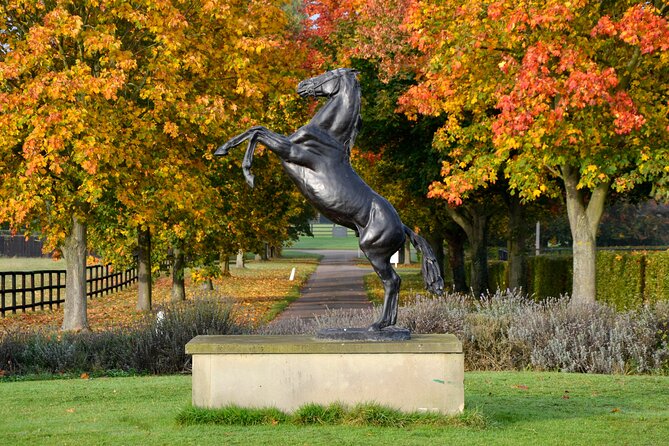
(32, 290)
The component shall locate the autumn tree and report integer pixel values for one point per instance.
(370, 36)
(559, 98)
(115, 105)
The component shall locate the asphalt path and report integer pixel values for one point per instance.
(337, 283)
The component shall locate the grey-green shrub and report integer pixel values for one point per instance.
(151, 346)
(507, 330)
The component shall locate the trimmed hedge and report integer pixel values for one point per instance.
(548, 276)
(498, 273)
(625, 280)
(620, 279)
(657, 276)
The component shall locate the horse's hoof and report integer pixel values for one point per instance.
(223, 150)
(377, 326)
(250, 180)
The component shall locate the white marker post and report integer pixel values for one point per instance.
(292, 274)
(395, 258)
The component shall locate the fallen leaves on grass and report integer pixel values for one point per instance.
(254, 291)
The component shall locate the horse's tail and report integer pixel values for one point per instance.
(431, 275)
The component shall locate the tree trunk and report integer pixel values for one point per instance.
(475, 225)
(239, 262)
(479, 253)
(74, 251)
(517, 243)
(178, 273)
(225, 265)
(144, 269)
(407, 253)
(583, 222)
(456, 259)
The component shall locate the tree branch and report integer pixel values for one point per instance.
(61, 51)
(629, 68)
(459, 218)
(595, 207)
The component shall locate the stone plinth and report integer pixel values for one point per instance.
(425, 373)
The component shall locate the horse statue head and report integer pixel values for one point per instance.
(325, 85)
(340, 116)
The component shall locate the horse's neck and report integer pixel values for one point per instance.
(340, 115)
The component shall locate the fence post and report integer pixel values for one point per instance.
(13, 293)
(2, 294)
(50, 291)
(58, 290)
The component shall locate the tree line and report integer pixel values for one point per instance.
(110, 112)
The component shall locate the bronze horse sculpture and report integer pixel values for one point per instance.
(317, 159)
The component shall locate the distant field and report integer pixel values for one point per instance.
(323, 238)
(326, 243)
(9, 264)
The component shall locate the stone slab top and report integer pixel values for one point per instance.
(304, 344)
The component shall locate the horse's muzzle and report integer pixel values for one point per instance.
(305, 89)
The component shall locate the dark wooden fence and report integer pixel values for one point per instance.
(19, 246)
(31, 290)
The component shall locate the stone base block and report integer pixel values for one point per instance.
(425, 373)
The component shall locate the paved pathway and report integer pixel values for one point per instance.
(337, 283)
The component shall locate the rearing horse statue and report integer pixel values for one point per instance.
(317, 159)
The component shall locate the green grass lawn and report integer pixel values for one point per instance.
(412, 283)
(323, 239)
(521, 408)
(350, 242)
(29, 264)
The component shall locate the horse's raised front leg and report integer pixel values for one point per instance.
(236, 140)
(248, 160)
(277, 143)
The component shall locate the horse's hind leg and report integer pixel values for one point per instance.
(391, 285)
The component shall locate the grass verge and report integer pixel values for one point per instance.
(412, 283)
(525, 408)
(335, 414)
(15, 264)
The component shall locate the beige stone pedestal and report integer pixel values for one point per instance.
(422, 374)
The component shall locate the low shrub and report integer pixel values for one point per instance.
(501, 331)
(155, 345)
(507, 330)
(590, 338)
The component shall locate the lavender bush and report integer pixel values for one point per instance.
(506, 330)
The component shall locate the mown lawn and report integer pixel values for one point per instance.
(8, 264)
(350, 242)
(521, 408)
(412, 284)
